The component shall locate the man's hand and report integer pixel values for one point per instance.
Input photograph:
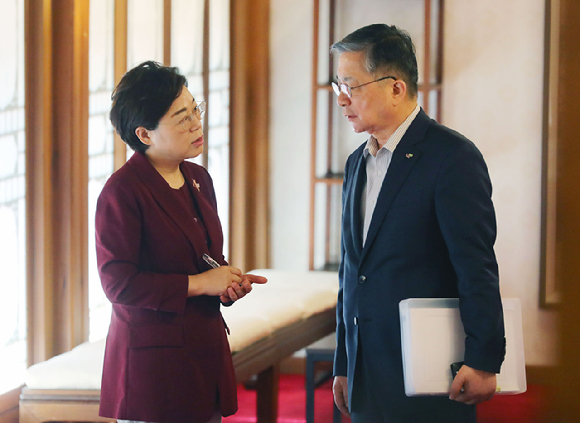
(340, 391)
(478, 386)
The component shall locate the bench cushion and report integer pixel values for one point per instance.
(288, 297)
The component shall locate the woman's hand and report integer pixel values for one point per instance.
(237, 291)
(214, 282)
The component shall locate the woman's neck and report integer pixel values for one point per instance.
(170, 172)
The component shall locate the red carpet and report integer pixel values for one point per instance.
(529, 407)
(291, 404)
(524, 408)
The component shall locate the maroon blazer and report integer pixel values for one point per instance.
(167, 358)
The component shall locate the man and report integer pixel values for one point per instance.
(418, 222)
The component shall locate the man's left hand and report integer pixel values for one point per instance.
(472, 386)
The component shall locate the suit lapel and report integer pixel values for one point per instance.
(405, 157)
(201, 190)
(165, 198)
(355, 205)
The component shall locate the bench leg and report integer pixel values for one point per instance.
(26, 415)
(309, 388)
(314, 355)
(267, 395)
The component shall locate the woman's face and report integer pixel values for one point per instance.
(179, 135)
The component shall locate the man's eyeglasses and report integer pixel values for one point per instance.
(187, 121)
(339, 87)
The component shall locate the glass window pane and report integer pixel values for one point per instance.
(434, 52)
(218, 114)
(101, 146)
(143, 45)
(434, 104)
(351, 15)
(12, 198)
(406, 14)
(187, 55)
(145, 31)
(187, 51)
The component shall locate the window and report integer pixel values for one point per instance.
(332, 137)
(141, 46)
(145, 31)
(219, 109)
(101, 145)
(13, 350)
(38, 184)
(208, 77)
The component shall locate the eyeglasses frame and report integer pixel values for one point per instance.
(198, 113)
(337, 86)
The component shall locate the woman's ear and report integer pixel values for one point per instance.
(144, 135)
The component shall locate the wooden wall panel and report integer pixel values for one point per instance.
(38, 115)
(568, 206)
(56, 74)
(249, 133)
(121, 7)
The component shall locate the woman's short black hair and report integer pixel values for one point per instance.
(388, 50)
(142, 97)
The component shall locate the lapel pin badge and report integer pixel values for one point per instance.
(196, 185)
(409, 155)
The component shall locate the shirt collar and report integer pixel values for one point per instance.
(372, 146)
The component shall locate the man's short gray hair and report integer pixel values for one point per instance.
(387, 49)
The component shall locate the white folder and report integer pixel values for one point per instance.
(432, 338)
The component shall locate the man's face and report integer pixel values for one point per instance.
(369, 109)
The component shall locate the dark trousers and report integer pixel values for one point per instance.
(369, 405)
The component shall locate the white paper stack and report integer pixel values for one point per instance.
(432, 338)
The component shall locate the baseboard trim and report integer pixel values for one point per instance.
(542, 375)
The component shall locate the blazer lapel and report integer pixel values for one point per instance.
(355, 203)
(162, 194)
(404, 159)
(201, 191)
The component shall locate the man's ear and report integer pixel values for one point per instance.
(399, 90)
(144, 135)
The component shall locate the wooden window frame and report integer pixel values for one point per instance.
(56, 78)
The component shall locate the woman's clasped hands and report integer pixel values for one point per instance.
(227, 282)
(240, 289)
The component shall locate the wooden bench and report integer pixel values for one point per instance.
(290, 312)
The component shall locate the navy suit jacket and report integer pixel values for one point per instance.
(431, 235)
(166, 355)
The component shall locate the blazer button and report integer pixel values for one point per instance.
(362, 279)
(356, 321)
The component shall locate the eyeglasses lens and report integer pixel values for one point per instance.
(338, 88)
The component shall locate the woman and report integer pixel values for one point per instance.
(167, 357)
